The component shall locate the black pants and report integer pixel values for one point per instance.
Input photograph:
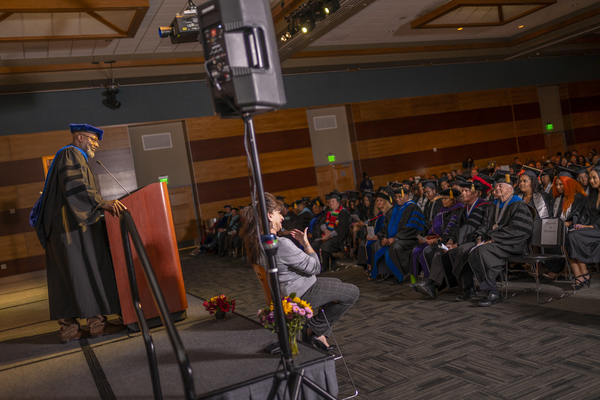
(334, 297)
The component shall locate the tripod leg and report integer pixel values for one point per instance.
(318, 389)
(277, 379)
(297, 378)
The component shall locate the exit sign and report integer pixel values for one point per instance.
(164, 178)
(549, 127)
(331, 158)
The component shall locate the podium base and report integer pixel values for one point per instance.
(154, 322)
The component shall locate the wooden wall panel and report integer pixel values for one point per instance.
(521, 95)
(23, 265)
(225, 168)
(484, 133)
(8, 198)
(381, 109)
(34, 248)
(29, 194)
(29, 171)
(12, 247)
(288, 119)
(37, 145)
(528, 127)
(213, 127)
(5, 149)
(583, 120)
(440, 139)
(583, 89)
(483, 99)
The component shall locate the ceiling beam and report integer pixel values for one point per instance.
(28, 6)
(5, 15)
(107, 23)
(288, 5)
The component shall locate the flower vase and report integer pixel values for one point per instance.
(294, 345)
(220, 315)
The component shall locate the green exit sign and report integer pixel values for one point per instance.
(331, 157)
(549, 127)
(164, 179)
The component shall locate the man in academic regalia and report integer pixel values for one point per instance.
(303, 214)
(511, 228)
(451, 267)
(81, 280)
(314, 227)
(391, 253)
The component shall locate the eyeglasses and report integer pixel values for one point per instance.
(92, 138)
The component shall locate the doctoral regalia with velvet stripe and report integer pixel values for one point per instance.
(402, 223)
(81, 280)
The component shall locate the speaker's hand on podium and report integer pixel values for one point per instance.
(114, 207)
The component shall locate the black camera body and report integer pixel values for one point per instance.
(241, 59)
(184, 28)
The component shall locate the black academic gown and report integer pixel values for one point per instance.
(451, 265)
(432, 208)
(334, 243)
(302, 220)
(577, 213)
(584, 244)
(81, 280)
(406, 238)
(509, 235)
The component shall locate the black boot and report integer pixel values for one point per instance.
(426, 289)
(466, 294)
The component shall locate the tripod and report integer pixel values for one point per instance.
(293, 377)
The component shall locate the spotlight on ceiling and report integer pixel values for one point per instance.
(308, 24)
(110, 100)
(319, 11)
(332, 5)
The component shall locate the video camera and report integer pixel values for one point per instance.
(184, 28)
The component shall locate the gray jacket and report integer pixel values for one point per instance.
(297, 270)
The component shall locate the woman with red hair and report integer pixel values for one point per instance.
(569, 198)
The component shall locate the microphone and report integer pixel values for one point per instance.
(98, 161)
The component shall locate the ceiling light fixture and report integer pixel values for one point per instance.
(520, 26)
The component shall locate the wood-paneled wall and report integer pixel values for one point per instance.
(22, 180)
(391, 139)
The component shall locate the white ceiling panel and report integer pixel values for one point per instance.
(105, 47)
(91, 26)
(65, 24)
(59, 49)
(82, 48)
(36, 49)
(120, 19)
(12, 26)
(37, 24)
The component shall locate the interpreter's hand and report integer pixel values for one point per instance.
(114, 207)
(568, 223)
(327, 234)
(579, 226)
(301, 237)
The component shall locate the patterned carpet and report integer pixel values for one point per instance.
(400, 345)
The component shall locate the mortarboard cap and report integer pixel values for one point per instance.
(280, 197)
(430, 184)
(385, 196)
(381, 188)
(87, 128)
(332, 195)
(533, 173)
(502, 176)
(452, 193)
(569, 173)
(316, 202)
(227, 206)
(579, 169)
(461, 178)
(235, 208)
(368, 193)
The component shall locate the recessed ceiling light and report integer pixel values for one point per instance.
(460, 29)
(520, 26)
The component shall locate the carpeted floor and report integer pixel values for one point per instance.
(400, 345)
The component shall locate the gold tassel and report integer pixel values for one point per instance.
(507, 178)
(451, 194)
(472, 187)
(391, 201)
(402, 190)
(295, 206)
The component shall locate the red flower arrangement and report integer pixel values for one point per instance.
(219, 303)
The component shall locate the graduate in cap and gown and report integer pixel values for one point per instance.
(583, 243)
(383, 203)
(451, 267)
(569, 198)
(434, 203)
(303, 214)
(67, 219)
(397, 237)
(314, 227)
(444, 230)
(511, 228)
(531, 192)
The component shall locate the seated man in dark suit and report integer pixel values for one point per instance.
(232, 228)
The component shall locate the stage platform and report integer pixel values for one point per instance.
(227, 357)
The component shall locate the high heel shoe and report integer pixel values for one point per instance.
(579, 284)
(588, 279)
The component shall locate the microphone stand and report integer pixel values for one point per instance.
(293, 376)
(98, 161)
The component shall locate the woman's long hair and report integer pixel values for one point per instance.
(249, 230)
(387, 207)
(536, 186)
(571, 186)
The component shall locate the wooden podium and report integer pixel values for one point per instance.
(150, 209)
